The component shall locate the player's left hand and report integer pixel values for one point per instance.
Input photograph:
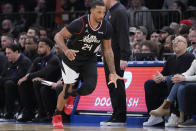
(113, 77)
(71, 54)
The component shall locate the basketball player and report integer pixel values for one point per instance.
(85, 34)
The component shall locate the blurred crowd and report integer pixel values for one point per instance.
(144, 22)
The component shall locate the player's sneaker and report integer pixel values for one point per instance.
(57, 121)
(69, 106)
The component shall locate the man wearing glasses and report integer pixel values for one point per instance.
(157, 90)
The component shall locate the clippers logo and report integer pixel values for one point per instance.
(90, 39)
(128, 78)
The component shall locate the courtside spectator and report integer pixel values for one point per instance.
(157, 90)
(192, 40)
(132, 31)
(31, 47)
(33, 31)
(164, 32)
(175, 27)
(141, 34)
(6, 40)
(22, 40)
(43, 33)
(155, 36)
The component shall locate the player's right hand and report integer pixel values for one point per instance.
(71, 54)
(113, 77)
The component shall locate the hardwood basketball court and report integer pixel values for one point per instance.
(13, 126)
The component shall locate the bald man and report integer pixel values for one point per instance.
(157, 90)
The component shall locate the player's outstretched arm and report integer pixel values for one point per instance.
(109, 57)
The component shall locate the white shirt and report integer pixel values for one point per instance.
(190, 74)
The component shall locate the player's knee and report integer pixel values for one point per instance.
(88, 90)
(91, 90)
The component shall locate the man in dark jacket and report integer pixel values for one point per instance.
(118, 17)
(15, 68)
(3, 61)
(45, 67)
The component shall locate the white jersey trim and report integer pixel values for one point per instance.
(91, 25)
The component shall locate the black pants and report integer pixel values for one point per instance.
(117, 95)
(155, 94)
(190, 98)
(27, 97)
(46, 99)
(11, 94)
(2, 97)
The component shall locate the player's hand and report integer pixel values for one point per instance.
(71, 54)
(123, 64)
(113, 77)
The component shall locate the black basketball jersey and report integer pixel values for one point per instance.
(86, 39)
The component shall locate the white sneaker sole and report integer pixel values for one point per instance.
(171, 125)
(182, 126)
(103, 123)
(112, 124)
(154, 123)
